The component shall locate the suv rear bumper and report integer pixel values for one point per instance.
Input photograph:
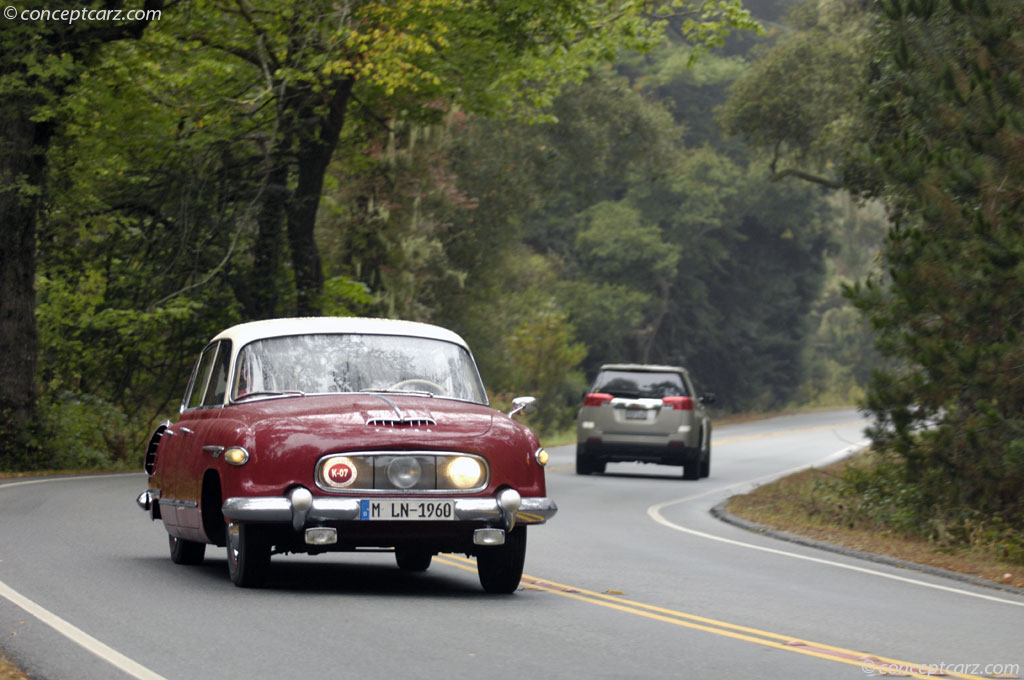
(661, 453)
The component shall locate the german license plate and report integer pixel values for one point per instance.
(415, 509)
(636, 414)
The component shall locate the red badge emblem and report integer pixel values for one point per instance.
(339, 472)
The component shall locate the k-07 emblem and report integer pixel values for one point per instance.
(340, 472)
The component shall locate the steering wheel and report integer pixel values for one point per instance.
(413, 383)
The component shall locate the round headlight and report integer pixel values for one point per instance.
(404, 471)
(464, 472)
(542, 457)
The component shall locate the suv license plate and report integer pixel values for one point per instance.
(636, 414)
(416, 509)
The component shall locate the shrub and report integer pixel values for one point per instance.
(82, 431)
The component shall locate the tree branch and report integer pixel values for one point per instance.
(807, 177)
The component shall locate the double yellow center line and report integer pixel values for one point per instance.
(871, 664)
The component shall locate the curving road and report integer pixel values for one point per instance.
(632, 579)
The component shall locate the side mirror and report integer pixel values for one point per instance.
(523, 404)
(707, 398)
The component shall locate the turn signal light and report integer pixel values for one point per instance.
(679, 403)
(236, 455)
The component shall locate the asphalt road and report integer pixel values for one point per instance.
(632, 579)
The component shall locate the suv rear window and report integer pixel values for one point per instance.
(640, 384)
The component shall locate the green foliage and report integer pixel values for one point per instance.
(176, 175)
(40, 62)
(799, 102)
(21, 441)
(947, 127)
(916, 105)
(345, 297)
(135, 267)
(541, 352)
(874, 492)
(83, 432)
(615, 245)
(74, 431)
(523, 341)
(841, 355)
(658, 252)
(385, 219)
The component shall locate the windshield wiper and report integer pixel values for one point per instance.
(418, 393)
(271, 393)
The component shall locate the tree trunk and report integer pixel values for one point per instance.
(318, 137)
(259, 292)
(22, 163)
(24, 144)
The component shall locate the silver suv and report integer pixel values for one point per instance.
(644, 413)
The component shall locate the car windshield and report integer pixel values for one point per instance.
(640, 384)
(336, 362)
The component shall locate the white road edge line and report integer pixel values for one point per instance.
(76, 635)
(655, 513)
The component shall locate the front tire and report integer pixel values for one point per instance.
(248, 556)
(501, 567)
(186, 552)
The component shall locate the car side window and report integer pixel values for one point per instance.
(219, 382)
(200, 377)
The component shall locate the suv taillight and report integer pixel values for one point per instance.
(597, 399)
(679, 403)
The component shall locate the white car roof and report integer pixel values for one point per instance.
(244, 333)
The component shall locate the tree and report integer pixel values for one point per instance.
(409, 60)
(294, 72)
(946, 112)
(654, 251)
(39, 61)
(798, 102)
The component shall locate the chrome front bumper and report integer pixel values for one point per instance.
(531, 510)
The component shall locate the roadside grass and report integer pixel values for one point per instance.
(9, 671)
(799, 504)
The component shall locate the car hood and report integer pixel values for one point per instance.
(323, 423)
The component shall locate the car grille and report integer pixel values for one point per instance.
(401, 422)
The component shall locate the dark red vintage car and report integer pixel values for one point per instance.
(340, 434)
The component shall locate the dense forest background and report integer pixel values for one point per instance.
(602, 218)
(563, 183)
